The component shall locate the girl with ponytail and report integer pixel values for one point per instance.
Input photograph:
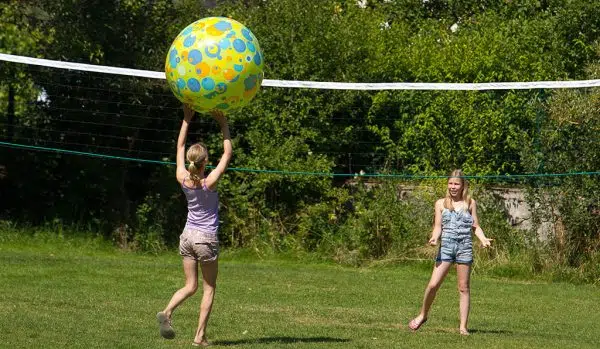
(199, 243)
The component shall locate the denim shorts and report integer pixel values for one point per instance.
(198, 245)
(456, 250)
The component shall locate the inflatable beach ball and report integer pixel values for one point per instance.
(215, 63)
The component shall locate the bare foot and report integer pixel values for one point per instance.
(464, 332)
(202, 343)
(416, 323)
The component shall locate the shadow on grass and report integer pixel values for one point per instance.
(474, 330)
(281, 339)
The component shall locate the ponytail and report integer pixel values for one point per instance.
(197, 155)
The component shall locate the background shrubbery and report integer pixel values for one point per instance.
(139, 205)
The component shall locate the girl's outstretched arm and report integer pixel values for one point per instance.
(437, 223)
(181, 172)
(485, 242)
(215, 175)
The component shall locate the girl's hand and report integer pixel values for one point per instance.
(485, 242)
(219, 116)
(188, 113)
(433, 241)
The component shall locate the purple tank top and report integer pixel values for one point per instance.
(203, 208)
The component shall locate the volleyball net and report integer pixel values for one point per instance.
(379, 130)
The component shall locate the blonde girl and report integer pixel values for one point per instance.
(454, 222)
(198, 244)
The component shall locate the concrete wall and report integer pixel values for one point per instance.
(518, 209)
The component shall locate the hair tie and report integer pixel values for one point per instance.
(192, 163)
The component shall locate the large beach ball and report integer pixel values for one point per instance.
(215, 63)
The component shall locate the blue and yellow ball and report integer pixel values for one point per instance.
(215, 63)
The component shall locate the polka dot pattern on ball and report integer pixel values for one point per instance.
(215, 63)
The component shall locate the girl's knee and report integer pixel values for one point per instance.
(463, 288)
(209, 289)
(434, 286)
(191, 288)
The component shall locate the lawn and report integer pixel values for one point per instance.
(82, 294)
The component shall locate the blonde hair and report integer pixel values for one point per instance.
(465, 190)
(197, 155)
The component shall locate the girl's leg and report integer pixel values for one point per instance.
(440, 270)
(209, 284)
(463, 271)
(190, 269)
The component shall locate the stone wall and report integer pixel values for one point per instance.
(518, 209)
(519, 212)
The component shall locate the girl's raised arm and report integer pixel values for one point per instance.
(181, 172)
(215, 175)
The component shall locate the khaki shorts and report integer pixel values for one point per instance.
(198, 245)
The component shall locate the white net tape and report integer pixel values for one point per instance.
(319, 84)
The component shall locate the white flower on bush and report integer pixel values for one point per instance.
(43, 96)
(384, 25)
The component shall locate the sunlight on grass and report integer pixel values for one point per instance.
(69, 294)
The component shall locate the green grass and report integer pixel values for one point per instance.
(61, 292)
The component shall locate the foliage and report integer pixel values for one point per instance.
(301, 130)
(569, 142)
